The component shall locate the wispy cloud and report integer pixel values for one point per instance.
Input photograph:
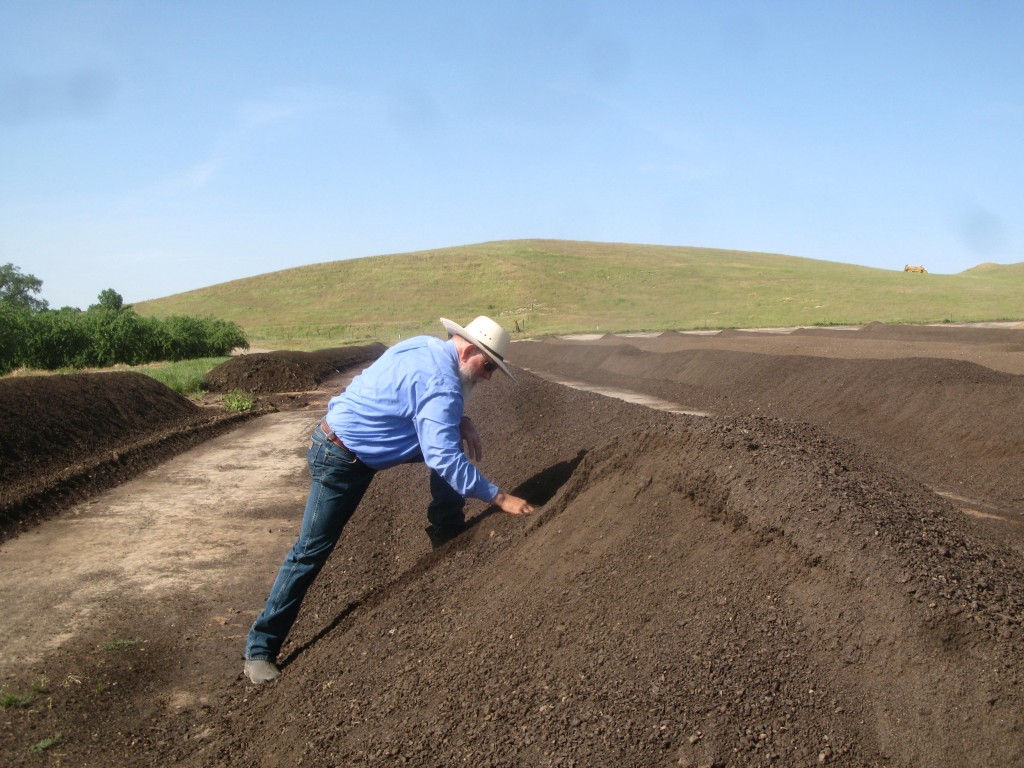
(301, 102)
(250, 118)
(265, 111)
(201, 174)
(263, 122)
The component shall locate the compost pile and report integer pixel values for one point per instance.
(263, 373)
(65, 437)
(827, 570)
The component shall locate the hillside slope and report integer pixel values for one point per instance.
(554, 286)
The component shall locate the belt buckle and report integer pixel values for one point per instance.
(330, 435)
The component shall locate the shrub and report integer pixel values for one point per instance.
(118, 336)
(55, 340)
(104, 336)
(186, 337)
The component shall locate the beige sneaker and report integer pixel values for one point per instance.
(261, 670)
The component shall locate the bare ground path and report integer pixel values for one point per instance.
(213, 520)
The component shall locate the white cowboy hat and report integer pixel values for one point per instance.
(486, 335)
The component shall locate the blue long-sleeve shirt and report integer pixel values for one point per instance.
(408, 404)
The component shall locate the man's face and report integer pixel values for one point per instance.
(478, 367)
(483, 367)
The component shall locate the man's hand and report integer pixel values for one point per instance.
(512, 504)
(474, 448)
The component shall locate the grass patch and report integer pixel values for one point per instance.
(45, 744)
(10, 700)
(13, 700)
(238, 401)
(186, 377)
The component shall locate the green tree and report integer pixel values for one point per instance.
(16, 289)
(222, 336)
(109, 299)
(13, 321)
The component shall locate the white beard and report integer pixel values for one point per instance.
(468, 382)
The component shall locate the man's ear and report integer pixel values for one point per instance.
(466, 352)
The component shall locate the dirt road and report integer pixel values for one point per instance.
(187, 526)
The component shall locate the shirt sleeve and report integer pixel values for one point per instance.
(437, 427)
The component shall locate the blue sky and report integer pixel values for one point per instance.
(156, 147)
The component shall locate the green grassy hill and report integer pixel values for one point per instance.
(555, 286)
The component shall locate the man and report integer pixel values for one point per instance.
(406, 407)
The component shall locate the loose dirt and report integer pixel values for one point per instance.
(825, 567)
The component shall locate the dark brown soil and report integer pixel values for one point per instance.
(65, 437)
(829, 569)
(277, 372)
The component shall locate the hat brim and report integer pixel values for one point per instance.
(454, 329)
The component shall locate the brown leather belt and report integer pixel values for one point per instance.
(329, 434)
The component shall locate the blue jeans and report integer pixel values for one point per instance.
(339, 480)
